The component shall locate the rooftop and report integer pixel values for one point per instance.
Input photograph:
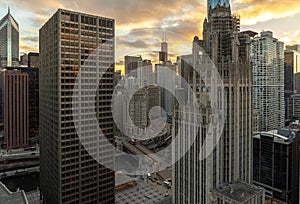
(8, 197)
(144, 192)
(283, 135)
(238, 191)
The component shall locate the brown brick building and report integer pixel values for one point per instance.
(14, 107)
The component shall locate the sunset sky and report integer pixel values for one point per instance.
(136, 19)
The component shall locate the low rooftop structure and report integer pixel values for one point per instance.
(238, 193)
(8, 197)
(136, 191)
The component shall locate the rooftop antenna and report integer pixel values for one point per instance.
(164, 38)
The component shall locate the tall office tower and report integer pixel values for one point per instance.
(140, 105)
(166, 71)
(193, 179)
(211, 4)
(267, 57)
(69, 174)
(291, 66)
(9, 41)
(163, 54)
(117, 77)
(145, 75)
(130, 83)
(120, 98)
(293, 107)
(297, 82)
(14, 100)
(33, 60)
(131, 65)
(33, 101)
(276, 164)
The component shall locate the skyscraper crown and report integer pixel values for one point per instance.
(9, 18)
(211, 4)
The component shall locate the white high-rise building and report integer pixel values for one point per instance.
(267, 55)
(145, 76)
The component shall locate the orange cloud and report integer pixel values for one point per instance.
(183, 17)
(27, 48)
(254, 11)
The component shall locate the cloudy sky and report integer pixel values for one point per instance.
(139, 23)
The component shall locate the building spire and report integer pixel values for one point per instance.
(8, 10)
(164, 38)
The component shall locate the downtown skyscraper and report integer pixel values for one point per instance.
(194, 180)
(211, 4)
(267, 56)
(9, 41)
(14, 111)
(68, 45)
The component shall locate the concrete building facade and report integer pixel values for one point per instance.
(195, 179)
(267, 56)
(293, 107)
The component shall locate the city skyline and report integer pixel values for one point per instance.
(182, 18)
(198, 116)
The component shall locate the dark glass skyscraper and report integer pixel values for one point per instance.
(9, 41)
(276, 163)
(211, 4)
(69, 174)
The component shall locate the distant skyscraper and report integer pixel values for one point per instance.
(291, 66)
(145, 74)
(117, 77)
(297, 82)
(276, 164)
(293, 107)
(167, 87)
(130, 83)
(14, 99)
(33, 101)
(211, 4)
(295, 47)
(163, 54)
(131, 65)
(195, 179)
(69, 174)
(9, 41)
(33, 60)
(267, 57)
(24, 59)
(140, 105)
